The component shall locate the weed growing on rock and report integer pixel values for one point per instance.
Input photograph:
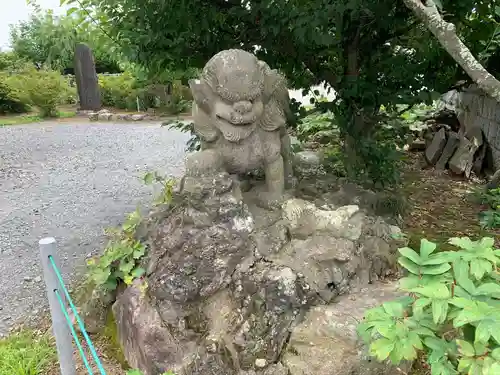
(123, 253)
(452, 313)
(120, 261)
(167, 187)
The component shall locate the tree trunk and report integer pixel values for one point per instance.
(445, 33)
(86, 78)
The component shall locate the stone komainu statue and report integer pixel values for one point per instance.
(240, 111)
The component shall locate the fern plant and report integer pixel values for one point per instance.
(452, 312)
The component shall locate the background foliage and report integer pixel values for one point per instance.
(50, 40)
(372, 53)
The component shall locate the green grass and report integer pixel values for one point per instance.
(26, 353)
(17, 120)
(28, 119)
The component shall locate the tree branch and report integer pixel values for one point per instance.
(445, 33)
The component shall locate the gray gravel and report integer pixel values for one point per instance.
(70, 181)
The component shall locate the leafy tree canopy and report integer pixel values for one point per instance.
(46, 39)
(322, 38)
(372, 52)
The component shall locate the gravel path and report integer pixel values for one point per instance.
(70, 181)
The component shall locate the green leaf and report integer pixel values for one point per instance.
(443, 367)
(435, 270)
(464, 364)
(480, 267)
(481, 348)
(467, 316)
(408, 350)
(410, 254)
(111, 284)
(386, 329)
(409, 265)
(495, 332)
(139, 252)
(381, 348)
(482, 333)
(488, 289)
(376, 313)
(435, 291)
(466, 348)
(138, 272)
(463, 303)
(72, 10)
(440, 258)
(126, 266)
(415, 340)
(396, 355)
(462, 242)
(426, 248)
(409, 282)
(100, 276)
(402, 329)
(423, 331)
(419, 306)
(436, 344)
(394, 309)
(439, 311)
(495, 353)
(364, 331)
(461, 272)
(487, 241)
(494, 369)
(149, 178)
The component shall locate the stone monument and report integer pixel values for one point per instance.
(240, 111)
(86, 79)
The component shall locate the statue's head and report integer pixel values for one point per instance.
(233, 91)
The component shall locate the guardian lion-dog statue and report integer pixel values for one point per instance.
(240, 111)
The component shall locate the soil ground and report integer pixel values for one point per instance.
(441, 205)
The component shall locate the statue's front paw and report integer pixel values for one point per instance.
(203, 162)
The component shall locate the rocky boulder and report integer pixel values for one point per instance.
(229, 286)
(326, 342)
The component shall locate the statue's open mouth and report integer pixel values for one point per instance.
(237, 120)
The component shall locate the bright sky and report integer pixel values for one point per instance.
(18, 10)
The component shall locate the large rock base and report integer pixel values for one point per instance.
(233, 289)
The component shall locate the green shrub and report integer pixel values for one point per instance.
(118, 91)
(43, 89)
(9, 61)
(46, 89)
(122, 91)
(9, 102)
(452, 313)
(314, 123)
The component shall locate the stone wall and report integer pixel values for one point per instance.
(475, 108)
